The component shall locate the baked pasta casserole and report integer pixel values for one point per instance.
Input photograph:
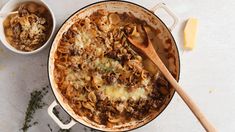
(102, 76)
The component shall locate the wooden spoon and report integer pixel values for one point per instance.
(150, 52)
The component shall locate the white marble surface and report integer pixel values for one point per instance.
(207, 73)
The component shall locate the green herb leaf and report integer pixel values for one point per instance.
(34, 104)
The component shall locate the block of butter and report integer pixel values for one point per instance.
(190, 33)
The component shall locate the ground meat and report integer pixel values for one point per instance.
(161, 82)
(16, 30)
(103, 118)
(125, 58)
(110, 78)
(23, 11)
(112, 55)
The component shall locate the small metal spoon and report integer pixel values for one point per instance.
(9, 13)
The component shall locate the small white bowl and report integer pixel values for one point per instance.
(9, 7)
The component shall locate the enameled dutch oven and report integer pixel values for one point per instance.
(140, 12)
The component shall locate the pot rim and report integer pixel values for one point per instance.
(121, 1)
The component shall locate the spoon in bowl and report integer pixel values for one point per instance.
(147, 48)
(6, 14)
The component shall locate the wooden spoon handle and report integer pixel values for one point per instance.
(191, 104)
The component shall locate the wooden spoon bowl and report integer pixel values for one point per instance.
(149, 51)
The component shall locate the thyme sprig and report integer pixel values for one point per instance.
(34, 104)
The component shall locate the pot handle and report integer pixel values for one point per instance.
(55, 118)
(167, 10)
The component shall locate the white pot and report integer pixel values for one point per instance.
(120, 7)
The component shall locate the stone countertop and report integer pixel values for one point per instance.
(207, 72)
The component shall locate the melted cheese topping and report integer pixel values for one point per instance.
(82, 40)
(116, 92)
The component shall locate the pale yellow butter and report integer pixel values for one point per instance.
(190, 33)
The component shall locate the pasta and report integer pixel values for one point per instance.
(29, 28)
(102, 76)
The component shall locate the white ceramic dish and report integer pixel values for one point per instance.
(9, 7)
(120, 7)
